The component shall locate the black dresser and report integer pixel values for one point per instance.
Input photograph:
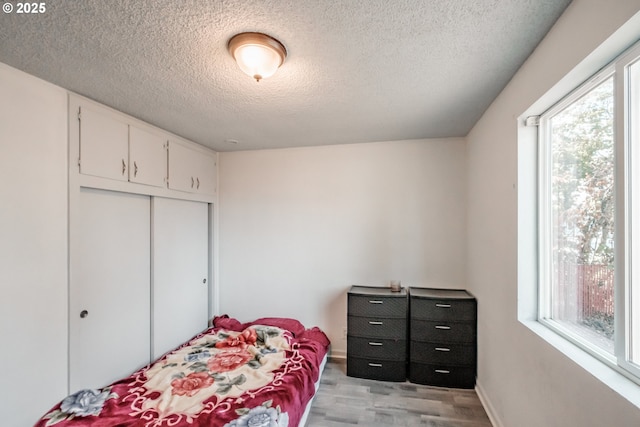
(377, 333)
(442, 348)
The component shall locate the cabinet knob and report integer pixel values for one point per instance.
(84, 313)
(204, 280)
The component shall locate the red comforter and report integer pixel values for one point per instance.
(259, 374)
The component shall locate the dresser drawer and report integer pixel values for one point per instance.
(377, 327)
(378, 306)
(376, 369)
(442, 375)
(443, 331)
(443, 309)
(442, 353)
(386, 349)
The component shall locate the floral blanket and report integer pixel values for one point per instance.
(260, 376)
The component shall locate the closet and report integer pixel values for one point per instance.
(140, 248)
(179, 262)
(109, 287)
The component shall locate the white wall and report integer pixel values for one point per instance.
(525, 380)
(33, 246)
(299, 226)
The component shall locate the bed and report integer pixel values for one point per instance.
(260, 374)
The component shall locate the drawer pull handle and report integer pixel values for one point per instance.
(442, 371)
(375, 365)
(375, 343)
(443, 327)
(375, 323)
(443, 305)
(375, 301)
(442, 349)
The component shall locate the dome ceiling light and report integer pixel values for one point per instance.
(258, 55)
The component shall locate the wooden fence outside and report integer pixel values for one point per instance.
(583, 291)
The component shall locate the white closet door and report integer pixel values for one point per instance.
(180, 272)
(110, 287)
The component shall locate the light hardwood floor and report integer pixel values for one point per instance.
(345, 401)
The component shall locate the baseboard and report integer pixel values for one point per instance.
(338, 354)
(488, 407)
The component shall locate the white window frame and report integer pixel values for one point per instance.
(628, 175)
(618, 68)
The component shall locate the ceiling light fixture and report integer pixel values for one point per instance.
(258, 55)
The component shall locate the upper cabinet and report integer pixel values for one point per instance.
(112, 148)
(120, 148)
(104, 144)
(147, 157)
(191, 169)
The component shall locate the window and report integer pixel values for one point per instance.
(589, 215)
(632, 218)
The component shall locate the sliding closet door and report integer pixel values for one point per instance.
(110, 287)
(180, 271)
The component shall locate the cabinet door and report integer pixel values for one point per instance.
(191, 170)
(181, 161)
(206, 173)
(180, 272)
(147, 157)
(110, 288)
(104, 144)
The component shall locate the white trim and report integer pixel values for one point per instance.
(338, 354)
(628, 236)
(488, 406)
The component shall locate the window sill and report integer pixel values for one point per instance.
(610, 377)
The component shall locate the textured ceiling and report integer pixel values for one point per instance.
(357, 70)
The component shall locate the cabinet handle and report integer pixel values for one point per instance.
(442, 349)
(442, 371)
(204, 280)
(192, 182)
(443, 327)
(83, 314)
(375, 301)
(375, 323)
(443, 305)
(198, 183)
(375, 365)
(375, 343)
(124, 167)
(135, 169)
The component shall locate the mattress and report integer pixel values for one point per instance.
(261, 374)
